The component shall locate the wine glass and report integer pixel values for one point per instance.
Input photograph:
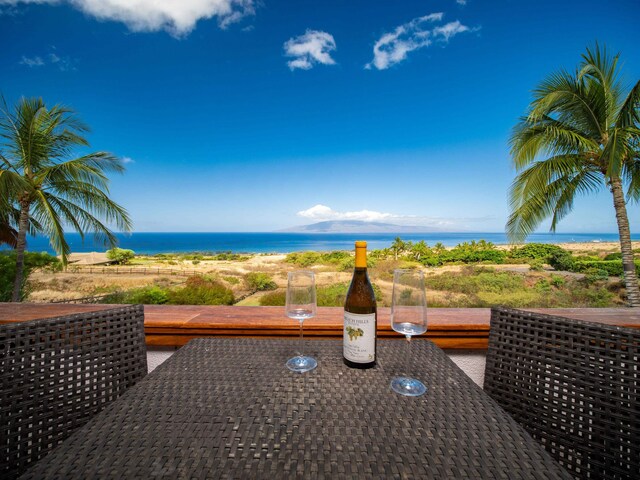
(301, 304)
(408, 317)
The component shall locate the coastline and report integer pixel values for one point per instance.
(145, 243)
(99, 257)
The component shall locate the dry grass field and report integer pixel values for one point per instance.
(449, 285)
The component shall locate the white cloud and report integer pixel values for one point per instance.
(62, 63)
(320, 213)
(449, 30)
(127, 160)
(32, 61)
(309, 49)
(461, 2)
(392, 48)
(178, 17)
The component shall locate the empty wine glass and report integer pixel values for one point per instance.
(408, 317)
(301, 304)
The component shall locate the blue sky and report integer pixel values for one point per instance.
(243, 115)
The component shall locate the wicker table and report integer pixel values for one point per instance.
(228, 408)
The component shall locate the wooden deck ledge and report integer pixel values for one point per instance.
(174, 325)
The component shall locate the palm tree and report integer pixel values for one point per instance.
(43, 190)
(581, 133)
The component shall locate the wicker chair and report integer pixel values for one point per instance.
(56, 373)
(573, 385)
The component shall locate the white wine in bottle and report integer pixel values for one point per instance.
(360, 316)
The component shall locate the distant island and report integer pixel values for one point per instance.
(357, 226)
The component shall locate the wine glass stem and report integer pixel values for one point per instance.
(408, 357)
(301, 340)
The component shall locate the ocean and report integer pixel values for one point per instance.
(152, 243)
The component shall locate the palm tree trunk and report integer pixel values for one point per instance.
(628, 265)
(20, 248)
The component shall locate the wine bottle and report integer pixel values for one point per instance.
(360, 316)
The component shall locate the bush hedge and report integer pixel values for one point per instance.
(612, 267)
(201, 291)
(259, 281)
(535, 251)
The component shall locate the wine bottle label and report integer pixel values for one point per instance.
(359, 337)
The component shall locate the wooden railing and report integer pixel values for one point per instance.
(175, 325)
(133, 271)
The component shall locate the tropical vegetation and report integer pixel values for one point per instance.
(581, 133)
(45, 188)
(32, 261)
(120, 256)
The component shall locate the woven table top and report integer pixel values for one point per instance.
(229, 408)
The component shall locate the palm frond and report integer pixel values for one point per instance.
(629, 113)
(83, 221)
(613, 153)
(89, 197)
(546, 190)
(89, 168)
(631, 167)
(546, 136)
(47, 216)
(600, 71)
(563, 97)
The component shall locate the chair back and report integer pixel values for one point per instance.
(56, 373)
(574, 387)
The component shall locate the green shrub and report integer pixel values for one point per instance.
(339, 258)
(115, 297)
(613, 256)
(273, 299)
(562, 260)
(612, 267)
(202, 291)
(120, 256)
(587, 258)
(335, 294)
(557, 281)
(535, 251)
(349, 264)
(152, 295)
(303, 259)
(231, 280)
(536, 264)
(543, 285)
(260, 281)
(475, 280)
(32, 261)
(229, 256)
(593, 275)
(332, 295)
(335, 258)
(474, 252)
(431, 260)
(517, 299)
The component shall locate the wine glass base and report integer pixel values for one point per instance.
(408, 386)
(301, 364)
